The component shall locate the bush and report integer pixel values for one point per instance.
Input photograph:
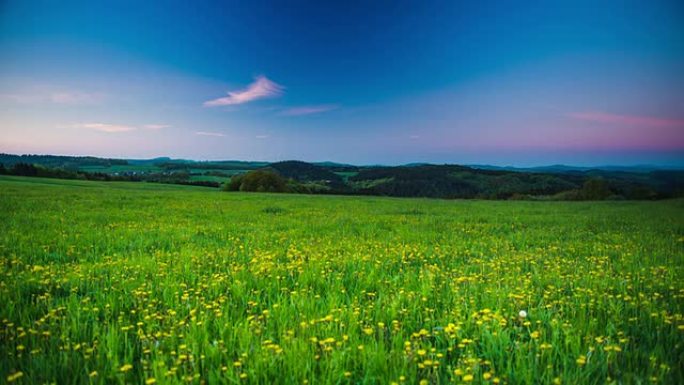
(595, 190)
(257, 181)
(24, 169)
(519, 197)
(641, 192)
(234, 183)
(569, 195)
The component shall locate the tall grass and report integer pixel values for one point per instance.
(138, 283)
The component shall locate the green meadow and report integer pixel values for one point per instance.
(130, 283)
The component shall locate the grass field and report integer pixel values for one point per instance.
(122, 168)
(196, 174)
(144, 283)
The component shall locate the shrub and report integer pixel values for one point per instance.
(595, 190)
(258, 181)
(234, 183)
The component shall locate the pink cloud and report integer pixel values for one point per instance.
(261, 88)
(207, 133)
(105, 127)
(629, 120)
(114, 128)
(156, 126)
(308, 110)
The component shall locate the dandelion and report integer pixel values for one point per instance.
(468, 378)
(15, 376)
(125, 368)
(522, 314)
(150, 381)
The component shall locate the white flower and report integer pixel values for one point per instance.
(522, 314)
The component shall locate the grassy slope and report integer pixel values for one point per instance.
(122, 168)
(10, 183)
(183, 282)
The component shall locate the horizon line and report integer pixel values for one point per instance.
(404, 164)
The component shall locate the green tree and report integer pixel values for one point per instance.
(595, 189)
(258, 181)
(234, 183)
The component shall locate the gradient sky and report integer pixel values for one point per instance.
(505, 83)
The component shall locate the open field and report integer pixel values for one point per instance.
(144, 283)
(195, 174)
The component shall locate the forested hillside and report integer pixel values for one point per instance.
(417, 180)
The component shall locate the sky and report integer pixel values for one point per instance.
(381, 82)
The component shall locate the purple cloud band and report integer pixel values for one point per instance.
(630, 120)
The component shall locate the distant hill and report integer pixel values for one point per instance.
(450, 181)
(561, 168)
(154, 161)
(411, 180)
(211, 165)
(333, 164)
(58, 161)
(305, 172)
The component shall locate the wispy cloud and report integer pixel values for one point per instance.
(41, 96)
(628, 120)
(263, 136)
(206, 133)
(261, 88)
(75, 98)
(156, 126)
(114, 128)
(308, 110)
(105, 127)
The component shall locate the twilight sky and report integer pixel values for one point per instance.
(506, 83)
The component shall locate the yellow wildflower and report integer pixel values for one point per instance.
(15, 376)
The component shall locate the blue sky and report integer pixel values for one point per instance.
(507, 83)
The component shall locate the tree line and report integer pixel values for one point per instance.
(431, 181)
(36, 170)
